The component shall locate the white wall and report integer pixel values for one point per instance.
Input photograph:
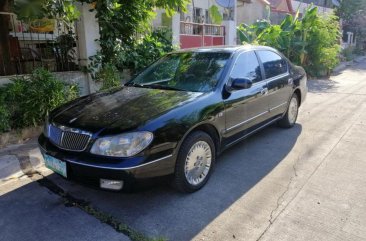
(230, 32)
(70, 77)
(302, 6)
(88, 32)
(251, 12)
(176, 30)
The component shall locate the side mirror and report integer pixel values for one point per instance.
(240, 84)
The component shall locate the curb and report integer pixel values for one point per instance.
(359, 59)
(10, 167)
(344, 65)
(18, 160)
(19, 136)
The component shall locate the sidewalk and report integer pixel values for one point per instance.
(343, 65)
(20, 159)
(32, 211)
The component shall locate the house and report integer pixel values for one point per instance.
(195, 28)
(279, 10)
(250, 11)
(324, 6)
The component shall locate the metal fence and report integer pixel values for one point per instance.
(190, 28)
(47, 43)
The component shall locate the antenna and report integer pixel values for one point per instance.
(226, 3)
(228, 6)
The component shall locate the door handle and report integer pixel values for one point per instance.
(290, 81)
(264, 91)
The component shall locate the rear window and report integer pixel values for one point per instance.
(273, 63)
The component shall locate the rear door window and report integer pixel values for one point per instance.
(273, 63)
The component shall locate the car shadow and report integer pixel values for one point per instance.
(160, 211)
(322, 85)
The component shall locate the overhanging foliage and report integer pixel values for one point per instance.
(311, 41)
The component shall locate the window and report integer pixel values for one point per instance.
(182, 16)
(198, 15)
(207, 17)
(247, 66)
(273, 63)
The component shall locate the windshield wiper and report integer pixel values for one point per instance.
(164, 87)
(134, 85)
(154, 86)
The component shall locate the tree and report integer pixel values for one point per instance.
(353, 14)
(121, 20)
(349, 8)
(311, 41)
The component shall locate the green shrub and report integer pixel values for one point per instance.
(312, 41)
(145, 50)
(29, 98)
(4, 114)
(359, 50)
(109, 76)
(348, 53)
(323, 45)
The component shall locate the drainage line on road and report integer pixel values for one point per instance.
(71, 201)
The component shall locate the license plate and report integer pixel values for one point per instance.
(55, 165)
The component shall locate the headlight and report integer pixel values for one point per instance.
(124, 145)
(46, 127)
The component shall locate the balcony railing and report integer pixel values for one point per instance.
(189, 28)
(48, 43)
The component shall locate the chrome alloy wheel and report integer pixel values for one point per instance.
(292, 110)
(198, 163)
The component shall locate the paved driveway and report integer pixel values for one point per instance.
(304, 183)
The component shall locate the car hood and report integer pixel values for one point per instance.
(120, 110)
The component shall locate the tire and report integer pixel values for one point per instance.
(195, 162)
(289, 119)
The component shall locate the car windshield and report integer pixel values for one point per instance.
(189, 71)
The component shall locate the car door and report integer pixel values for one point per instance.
(279, 81)
(247, 107)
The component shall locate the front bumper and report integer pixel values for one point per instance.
(85, 167)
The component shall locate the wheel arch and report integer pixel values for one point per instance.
(208, 128)
(211, 131)
(297, 92)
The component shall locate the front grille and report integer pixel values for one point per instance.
(69, 138)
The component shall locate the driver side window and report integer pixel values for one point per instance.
(247, 66)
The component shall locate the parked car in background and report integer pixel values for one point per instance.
(174, 118)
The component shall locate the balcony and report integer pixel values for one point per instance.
(201, 34)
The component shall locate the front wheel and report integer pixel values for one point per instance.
(289, 119)
(195, 162)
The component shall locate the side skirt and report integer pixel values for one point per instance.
(253, 131)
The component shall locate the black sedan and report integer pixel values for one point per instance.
(173, 118)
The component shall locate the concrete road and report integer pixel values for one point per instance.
(304, 183)
(31, 212)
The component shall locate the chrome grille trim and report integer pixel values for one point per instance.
(69, 139)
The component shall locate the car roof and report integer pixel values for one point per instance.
(225, 49)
